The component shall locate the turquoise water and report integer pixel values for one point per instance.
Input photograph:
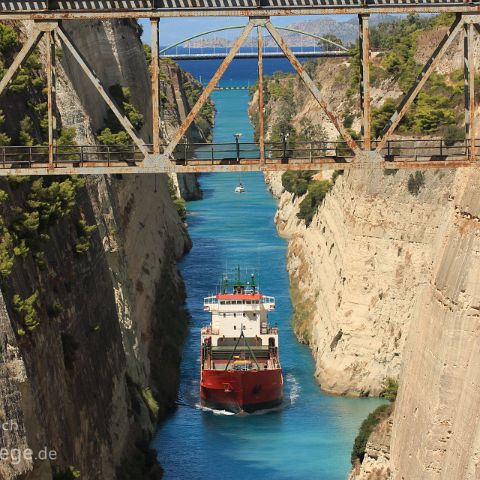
(312, 435)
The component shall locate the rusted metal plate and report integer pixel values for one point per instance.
(154, 67)
(469, 78)
(261, 103)
(248, 165)
(365, 80)
(8, 12)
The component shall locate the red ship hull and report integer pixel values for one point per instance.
(241, 391)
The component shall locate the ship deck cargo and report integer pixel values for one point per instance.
(240, 366)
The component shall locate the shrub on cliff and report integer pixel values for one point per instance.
(390, 388)
(317, 191)
(296, 182)
(26, 307)
(416, 182)
(366, 428)
(8, 39)
(113, 133)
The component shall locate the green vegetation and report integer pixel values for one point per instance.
(54, 310)
(415, 182)
(436, 108)
(150, 401)
(193, 89)
(366, 429)
(301, 183)
(84, 232)
(23, 227)
(179, 202)
(26, 307)
(317, 190)
(113, 132)
(303, 309)
(147, 50)
(8, 40)
(70, 474)
(326, 45)
(296, 182)
(390, 388)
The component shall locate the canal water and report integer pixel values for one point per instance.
(311, 436)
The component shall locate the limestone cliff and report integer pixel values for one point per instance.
(91, 379)
(438, 402)
(355, 273)
(376, 463)
(385, 282)
(356, 269)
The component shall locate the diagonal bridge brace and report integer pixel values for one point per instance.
(22, 55)
(82, 62)
(310, 84)
(428, 69)
(209, 88)
(259, 22)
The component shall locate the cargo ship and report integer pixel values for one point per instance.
(240, 365)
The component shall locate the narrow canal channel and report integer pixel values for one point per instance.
(312, 435)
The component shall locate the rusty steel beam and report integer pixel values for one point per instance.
(469, 90)
(251, 165)
(365, 81)
(154, 67)
(26, 50)
(51, 96)
(261, 103)
(124, 121)
(312, 87)
(209, 89)
(115, 13)
(428, 69)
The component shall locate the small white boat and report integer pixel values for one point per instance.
(239, 188)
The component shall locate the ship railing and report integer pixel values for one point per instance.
(268, 330)
(208, 300)
(267, 299)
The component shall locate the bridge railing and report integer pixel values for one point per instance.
(308, 151)
(227, 153)
(78, 155)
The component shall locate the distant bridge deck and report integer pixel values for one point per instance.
(226, 157)
(249, 55)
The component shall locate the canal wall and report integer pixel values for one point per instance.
(98, 364)
(384, 283)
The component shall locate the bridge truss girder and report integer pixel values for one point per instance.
(162, 162)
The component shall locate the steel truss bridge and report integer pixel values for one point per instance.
(174, 155)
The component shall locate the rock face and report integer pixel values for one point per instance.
(356, 270)
(386, 282)
(438, 402)
(376, 463)
(92, 379)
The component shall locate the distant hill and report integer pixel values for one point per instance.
(346, 31)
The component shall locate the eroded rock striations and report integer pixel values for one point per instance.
(92, 379)
(386, 283)
(436, 432)
(356, 270)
